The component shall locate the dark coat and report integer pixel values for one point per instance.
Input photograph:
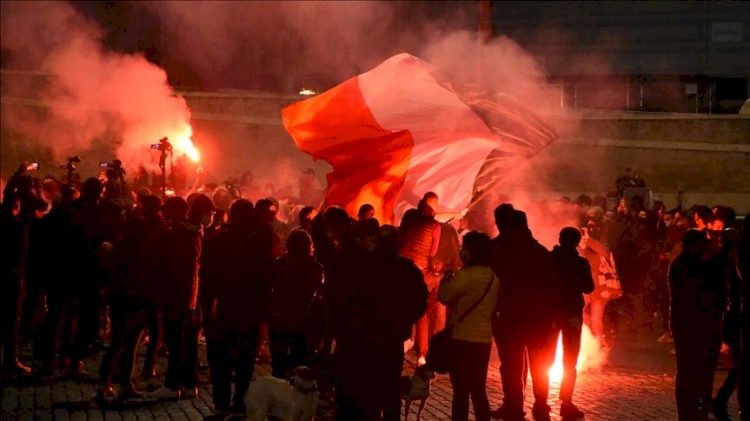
(178, 252)
(377, 298)
(697, 292)
(13, 244)
(235, 273)
(295, 283)
(573, 280)
(527, 279)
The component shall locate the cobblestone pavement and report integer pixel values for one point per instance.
(637, 383)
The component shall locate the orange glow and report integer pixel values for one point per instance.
(591, 357)
(184, 145)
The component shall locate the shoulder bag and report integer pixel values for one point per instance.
(440, 352)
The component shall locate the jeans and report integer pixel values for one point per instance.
(469, 379)
(181, 339)
(221, 362)
(10, 313)
(513, 341)
(571, 341)
(697, 345)
(61, 303)
(129, 317)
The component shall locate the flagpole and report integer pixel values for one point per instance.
(485, 32)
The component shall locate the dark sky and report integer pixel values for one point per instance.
(130, 28)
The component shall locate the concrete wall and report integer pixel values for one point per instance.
(650, 37)
(706, 156)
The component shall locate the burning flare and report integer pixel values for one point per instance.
(592, 356)
(184, 144)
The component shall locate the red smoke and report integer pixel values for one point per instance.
(92, 97)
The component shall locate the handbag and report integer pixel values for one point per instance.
(440, 352)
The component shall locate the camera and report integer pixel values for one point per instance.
(163, 145)
(114, 169)
(70, 166)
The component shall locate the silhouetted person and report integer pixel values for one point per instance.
(306, 216)
(573, 280)
(129, 308)
(235, 271)
(743, 269)
(366, 211)
(69, 247)
(176, 272)
(697, 288)
(471, 295)
(420, 241)
(523, 321)
(376, 299)
(150, 208)
(11, 287)
(297, 281)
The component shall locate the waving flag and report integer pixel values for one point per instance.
(396, 132)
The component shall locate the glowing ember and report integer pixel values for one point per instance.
(184, 145)
(592, 356)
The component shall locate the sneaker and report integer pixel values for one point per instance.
(571, 412)
(541, 412)
(22, 369)
(720, 411)
(164, 393)
(504, 414)
(421, 361)
(107, 394)
(665, 339)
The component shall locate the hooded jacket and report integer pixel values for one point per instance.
(573, 280)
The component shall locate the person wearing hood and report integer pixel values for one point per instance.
(420, 242)
(523, 320)
(573, 281)
(179, 250)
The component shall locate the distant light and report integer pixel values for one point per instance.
(307, 92)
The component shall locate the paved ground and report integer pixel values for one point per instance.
(637, 383)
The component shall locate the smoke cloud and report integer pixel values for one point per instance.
(97, 98)
(92, 98)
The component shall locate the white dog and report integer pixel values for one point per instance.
(287, 400)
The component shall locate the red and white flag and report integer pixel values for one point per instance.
(395, 133)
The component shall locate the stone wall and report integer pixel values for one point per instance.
(706, 156)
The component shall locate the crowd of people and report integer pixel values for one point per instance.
(95, 263)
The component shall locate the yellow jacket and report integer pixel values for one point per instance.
(460, 293)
